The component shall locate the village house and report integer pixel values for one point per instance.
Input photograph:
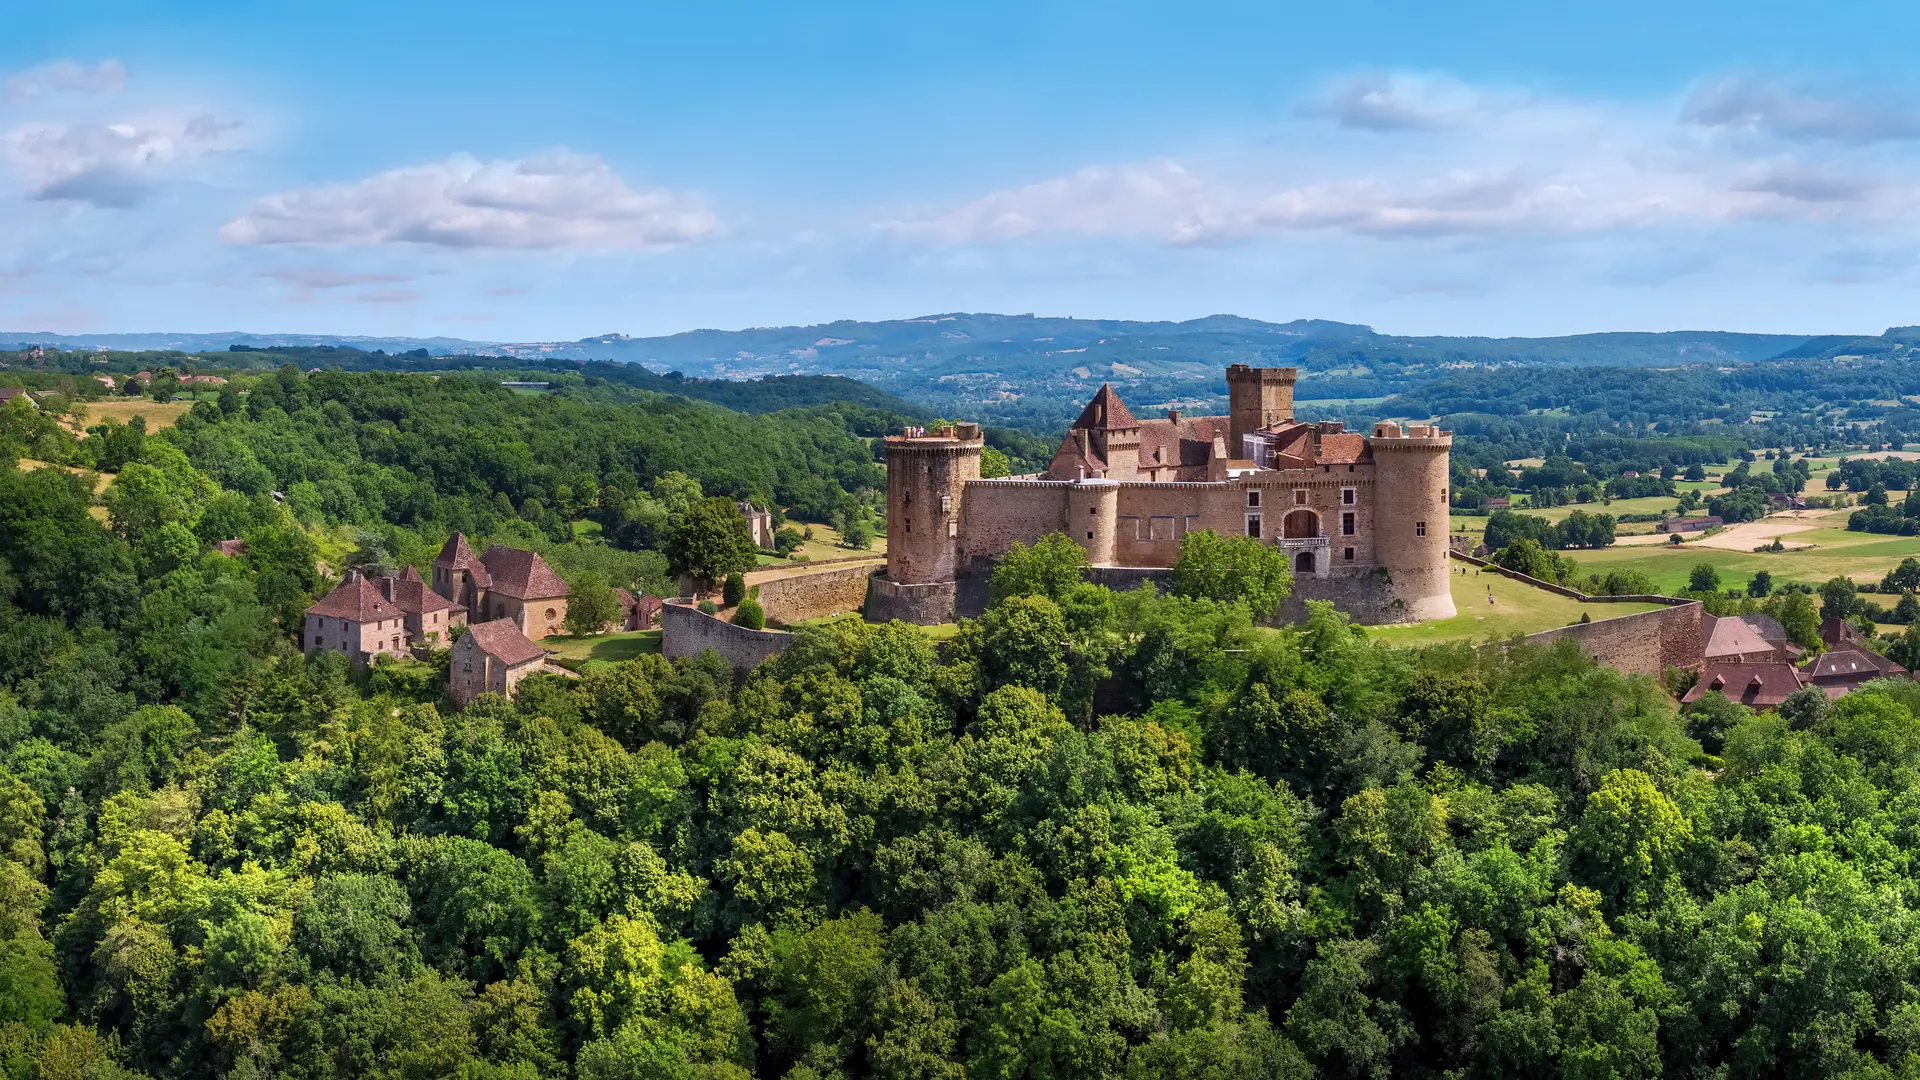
(357, 621)
(491, 658)
(1687, 524)
(1757, 686)
(1841, 670)
(429, 616)
(9, 393)
(637, 612)
(505, 583)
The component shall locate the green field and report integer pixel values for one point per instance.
(571, 651)
(1516, 609)
(1835, 552)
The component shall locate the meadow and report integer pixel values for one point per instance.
(1516, 608)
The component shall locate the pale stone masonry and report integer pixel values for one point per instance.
(505, 583)
(1361, 518)
(490, 658)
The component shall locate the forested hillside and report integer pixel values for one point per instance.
(1098, 835)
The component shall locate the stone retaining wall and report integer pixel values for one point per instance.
(687, 631)
(1644, 643)
(791, 598)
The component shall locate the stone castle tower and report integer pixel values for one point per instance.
(1411, 472)
(1257, 398)
(927, 475)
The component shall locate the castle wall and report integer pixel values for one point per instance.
(793, 597)
(1002, 511)
(923, 605)
(1644, 643)
(1367, 595)
(687, 631)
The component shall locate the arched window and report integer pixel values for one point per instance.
(1300, 524)
(1303, 563)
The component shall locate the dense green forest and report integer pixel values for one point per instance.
(1095, 835)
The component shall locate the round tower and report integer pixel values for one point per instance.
(1410, 477)
(926, 477)
(1093, 508)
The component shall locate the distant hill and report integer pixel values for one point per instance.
(1033, 370)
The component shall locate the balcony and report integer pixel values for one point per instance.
(1302, 543)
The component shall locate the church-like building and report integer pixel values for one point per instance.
(1362, 518)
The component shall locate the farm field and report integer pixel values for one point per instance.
(159, 414)
(1516, 609)
(824, 547)
(1834, 552)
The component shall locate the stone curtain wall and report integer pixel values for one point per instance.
(687, 631)
(1646, 643)
(792, 598)
(924, 605)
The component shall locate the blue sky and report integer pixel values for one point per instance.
(548, 171)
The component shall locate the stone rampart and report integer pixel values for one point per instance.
(924, 605)
(1644, 643)
(790, 598)
(1367, 596)
(687, 631)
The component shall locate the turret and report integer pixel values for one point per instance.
(927, 472)
(1410, 477)
(1257, 398)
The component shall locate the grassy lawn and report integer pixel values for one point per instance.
(159, 414)
(1835, 553)
(1516, 609)
(571, 651)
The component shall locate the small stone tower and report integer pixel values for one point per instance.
(1410, 477)
(926, 475)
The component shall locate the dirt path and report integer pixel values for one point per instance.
(1745, 536)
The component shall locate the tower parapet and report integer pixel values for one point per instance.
(1411, 474)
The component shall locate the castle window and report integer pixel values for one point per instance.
(908, 522)
(1349, 468)
(1326, 468)
(953, 528)
(1253, 525)
(549, 613)
(1346, 524)
(1299, 496)
(1347, 553)
(1253, 497)
(907, 498)
(1419, 528)
(946, 504)
(1089, 534)
(1347, 497)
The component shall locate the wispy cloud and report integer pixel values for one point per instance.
(1780, 109)
(1493, 164)
(70, 76)
(1398, 101)
(110, 164)
(560, 200)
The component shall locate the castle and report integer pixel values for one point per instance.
(1362, 518)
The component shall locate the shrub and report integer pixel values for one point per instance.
(708, 607)
(734, 591)
(750, 615)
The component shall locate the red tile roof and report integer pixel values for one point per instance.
(356, 600)
(1731, 638)
(522, 575)
(1106, 411)
(503, 641)
(1849, 661)
(1759, 686)
(1344, 448)
(1076, 457)
(1183, 443)
(231, 548)
(413, 596)
(456, 555)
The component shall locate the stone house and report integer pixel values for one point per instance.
(356, 620)
(429, 617)
(1687, 524)
(637, 612)
(1840, 670)
(759, 524)
(505, 583)
(491, 658)
(1757, 686)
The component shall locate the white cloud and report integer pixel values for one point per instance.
(561, 200)
(1491, 165)
(1389, 101)
(67, 75)
(1772, 107)
(110, 164)
(320, 277)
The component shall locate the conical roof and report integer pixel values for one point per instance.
(1106, 412)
